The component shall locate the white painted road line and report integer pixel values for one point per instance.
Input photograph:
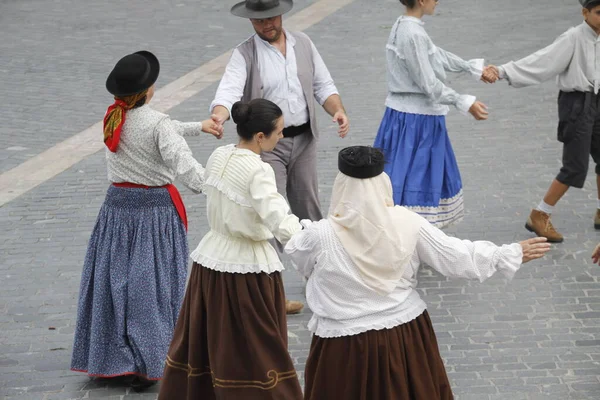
(65, 154)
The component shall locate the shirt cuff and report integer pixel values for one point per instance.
(502, 73)
(222, 103)
(476, 67)
(287, 228)
(510, 259)
(322, 95)
(306, 223)
(464, 103)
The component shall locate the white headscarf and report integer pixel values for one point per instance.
(379, 237)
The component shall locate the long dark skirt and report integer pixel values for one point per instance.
(231, 340)
(132, 285)
(402, 363)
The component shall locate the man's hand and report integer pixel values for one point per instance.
(490, 74)
(214, 126)
(344, 125)
(479, 111)
(333, 106)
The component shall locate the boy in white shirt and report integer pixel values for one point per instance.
(573, 59)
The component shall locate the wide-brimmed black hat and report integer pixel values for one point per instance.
(133, 73)
(259, 9)
(361, 162)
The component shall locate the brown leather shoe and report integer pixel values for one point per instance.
(597, 219)
(539, 223)
(293, 307)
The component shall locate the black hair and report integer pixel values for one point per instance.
(140, 102)
(592, 5)
(258, 115)
(409, 3)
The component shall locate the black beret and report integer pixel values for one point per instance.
(361, 162)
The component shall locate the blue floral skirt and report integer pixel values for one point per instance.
(132, 285)
(421, 165)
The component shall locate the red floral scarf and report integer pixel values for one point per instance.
(115, 118)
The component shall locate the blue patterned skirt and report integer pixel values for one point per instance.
(421, 165)
(132, 285)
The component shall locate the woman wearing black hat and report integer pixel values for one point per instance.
(135, 269)
(373, 338)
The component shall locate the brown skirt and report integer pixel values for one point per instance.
(402, 363)
(230, 341)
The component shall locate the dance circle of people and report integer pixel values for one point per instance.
(225, 336)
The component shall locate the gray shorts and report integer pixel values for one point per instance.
(579, 131)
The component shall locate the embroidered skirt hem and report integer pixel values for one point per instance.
(231, 340)
(422, 166)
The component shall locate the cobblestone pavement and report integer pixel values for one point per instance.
(537, 337)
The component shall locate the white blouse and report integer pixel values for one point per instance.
(244, 211)
(416, 71)
(152, 151)
(343, 305)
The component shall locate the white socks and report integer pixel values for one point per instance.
(548, 209)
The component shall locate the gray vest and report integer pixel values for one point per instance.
(306, 70)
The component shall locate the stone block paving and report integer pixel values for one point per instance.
(537, 337)
(55, 56)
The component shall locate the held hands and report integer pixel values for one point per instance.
(344, 125)
(214, 126)
(490, 74)
(534, 248)
(479, 111)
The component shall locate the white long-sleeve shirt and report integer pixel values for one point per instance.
(574, 58)
(416, 71)
(244, 211)
(279, 76)
(343, 305)
(152, 151)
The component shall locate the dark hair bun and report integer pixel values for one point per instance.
(409, 3)
(258, 115)
(240, 112)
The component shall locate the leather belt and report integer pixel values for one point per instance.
(292, 131)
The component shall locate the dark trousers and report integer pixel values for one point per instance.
(579, 131)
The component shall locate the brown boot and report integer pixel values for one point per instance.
(293, 307)
(539, 223)
(597, 219)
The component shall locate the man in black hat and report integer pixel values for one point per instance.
(286, 68)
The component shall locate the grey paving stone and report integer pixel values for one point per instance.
(536, 337)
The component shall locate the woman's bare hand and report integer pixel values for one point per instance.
(534, 248)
